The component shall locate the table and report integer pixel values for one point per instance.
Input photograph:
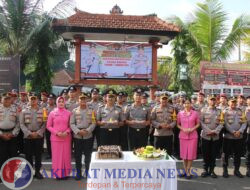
(130, 173)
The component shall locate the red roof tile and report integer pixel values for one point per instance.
(62, 78)
(114, 21)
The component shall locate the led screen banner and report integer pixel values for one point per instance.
(225, 73)
(116, 61)
(9, 73)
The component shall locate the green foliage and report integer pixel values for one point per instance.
(60, 55)
(41, 77)
(164, 69)
(246, 42)
(205, 38)
(180, 57)
(26, 31)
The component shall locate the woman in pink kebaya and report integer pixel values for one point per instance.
(188, 122)
(58, 125)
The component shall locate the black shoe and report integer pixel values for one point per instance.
(48, 157)
(188, 177)
(204, 173)
(225, 173)
(78, 177)
(248, 172)
(1, 180)
(65, 178)
(182, 175)
(38, 175)
(238, 174)
(213, 175)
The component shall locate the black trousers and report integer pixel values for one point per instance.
(124, 137)
(210, 150)
(233, 147)
(34, 147)
(8, 149)
(48, 143)
(164, 142)
(199, 148)
(110, 136)
(151, 136)
(83, 146)
(176, 131)
(248, 151)
(137, 138)
(20, 145)
(96, 134)
(220, 143)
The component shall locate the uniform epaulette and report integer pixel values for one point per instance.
(101, 105)
(119, 107)
(239, 109)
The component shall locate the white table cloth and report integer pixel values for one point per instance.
(131, 173)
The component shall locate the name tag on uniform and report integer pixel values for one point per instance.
(110, 129)
(137, 130)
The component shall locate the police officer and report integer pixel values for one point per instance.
(22, 104)
(125, 98)
(180, 100)
(164, 120)
(44, 100)
(145, 103)
(94, 104)
(241, 102)
(9, 129)
(198, 107)
(64, 94)
(193, 99)
(157, 98)
(124, 128)
(248, 137)
(138, 119)
(211, 123)
(223, 102)
(235, 124)
(33, 127)
(152, 90)
(82, 123)
(144, 99)
(200, 102)
(110, 118)
(46, 111)
(174, 98)
(179, 106)
(71, 103)
(23, 101)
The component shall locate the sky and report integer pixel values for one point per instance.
(163, 9)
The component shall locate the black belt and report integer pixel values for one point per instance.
(109, 129)
(138, 129)
(7, 130)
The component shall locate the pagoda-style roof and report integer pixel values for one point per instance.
(116, 27)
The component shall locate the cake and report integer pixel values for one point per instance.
(109, 152)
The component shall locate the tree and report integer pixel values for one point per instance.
(209, 30)
(180, 57)
(22, 26)
(164, 71)
(246, 42)
(205, 36)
